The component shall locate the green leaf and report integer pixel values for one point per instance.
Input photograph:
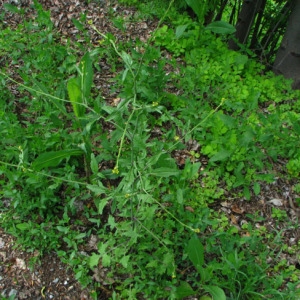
(52, 159)
(94, 164)
(247, 193)
(78, 24)
(198, 8)
(124, 261)
(101, 205)
(184, 290)
(166, 161)
(165, 172)
(221, 155)
(106, 260)
(74, 93)
(127, 59)
(86, 76)
(94, 260)
(80, 236)
(12, 8)
(97, 189)
(44, 89)
(256, 188)
(63, 229)
(221, 27)
(195, 251)
(180, 31)
(216, 292)
(23, 226)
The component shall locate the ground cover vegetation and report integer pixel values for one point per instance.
(139, 178)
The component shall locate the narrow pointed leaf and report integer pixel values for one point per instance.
(74, 93)
(52, 159)
(165, 172)
(87, 74)
(221, 27)
(198, 8)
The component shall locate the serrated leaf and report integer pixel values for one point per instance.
(101, 205)
(124, 261)
(52, 159)
(184, 290)
(165, 172)
(195, 251)
(94, 260)
(221, 27)
(106, 260)
(97, 189)
(216, 292)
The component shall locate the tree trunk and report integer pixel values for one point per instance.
(245, 21)
(287, 61)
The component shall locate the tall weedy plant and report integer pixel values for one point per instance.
(79, 91)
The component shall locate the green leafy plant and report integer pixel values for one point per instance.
(140, 173)
(195, 251)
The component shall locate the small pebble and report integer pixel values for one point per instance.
(55, 280)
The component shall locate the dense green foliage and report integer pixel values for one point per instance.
(150, 213)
